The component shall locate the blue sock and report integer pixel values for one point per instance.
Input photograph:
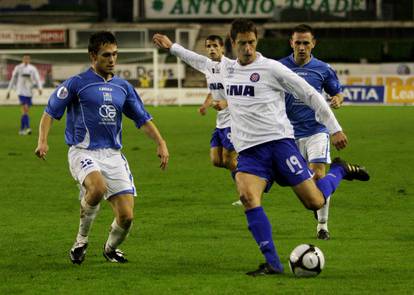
(330, 182)
(22, 122)
(27, 121)
(261, 230)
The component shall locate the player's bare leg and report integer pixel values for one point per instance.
(322, 232)
(95, 187)
(123, 208)
(251, 189)
(229, 159)
(216, 156)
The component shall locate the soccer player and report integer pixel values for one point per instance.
(23, 79)
(222, 153)
(263, 135)
(95, 101)
(311, 136)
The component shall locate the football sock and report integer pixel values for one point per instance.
(22, 122)
(323, 214)
(87, 216)
(116, 236)
(261, 230)
(328, 184)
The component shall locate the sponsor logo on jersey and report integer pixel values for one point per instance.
(107, 97)
(230, 70)
(215, 86)
(105, 89)
(254, 77)
(240, 90)
(107, 112)
(62, 92)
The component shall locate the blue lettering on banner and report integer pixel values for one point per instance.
(363, 94)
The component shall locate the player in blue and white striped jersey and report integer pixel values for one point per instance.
(263, 135)
(24, 78)
(95, 101)
(311, 136)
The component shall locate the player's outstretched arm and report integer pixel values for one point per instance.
(162, 151)
(336, 101)
(194, 60)
(44, 128)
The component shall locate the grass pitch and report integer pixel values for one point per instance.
(187, 238)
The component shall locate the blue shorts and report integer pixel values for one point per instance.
(25, 100)
(278, 160)
(222, 137)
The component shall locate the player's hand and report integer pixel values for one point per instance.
(162, 41)
(336, 101)
(163, 154)
(219, 105)
(339, 140)
(41, 150)
(8, 95)
(202, 110)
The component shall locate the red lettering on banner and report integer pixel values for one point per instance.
(52, 36)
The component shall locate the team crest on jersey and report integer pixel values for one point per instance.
(230, 70)
(216, 70)
(254, 77)
(62, 92)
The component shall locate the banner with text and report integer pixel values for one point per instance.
(43, 36)
(363, 94)
(400, 94)
(221, 9)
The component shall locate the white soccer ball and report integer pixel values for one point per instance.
(306, 261)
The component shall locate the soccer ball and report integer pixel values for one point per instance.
(306, 260)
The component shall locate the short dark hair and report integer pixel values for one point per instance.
(242, 25)
(303, 28)
(215, 38)
(98, 39)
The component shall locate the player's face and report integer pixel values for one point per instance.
(302, 45)
(26, 59)
(245, 47)
(104, 61)
(214, 50)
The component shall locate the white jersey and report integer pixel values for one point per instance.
(256, 97)
(24, 78)
(218, 92)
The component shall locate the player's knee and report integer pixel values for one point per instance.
(126, 219)
(314, 203)
(318, 175)
(217, 162)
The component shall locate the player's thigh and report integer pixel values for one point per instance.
(309, 194)
(123, 207)
(216, 155)
(250, 188)
(230, 158)
(81, 163)
(95, 186)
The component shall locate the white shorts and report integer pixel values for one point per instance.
(315, 148)
(110, 162)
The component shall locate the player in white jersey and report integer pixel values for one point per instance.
(263, 135)
(222, 153)
(311, 137)
(24, 78)
(95, 101)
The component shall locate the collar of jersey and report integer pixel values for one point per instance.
(99, 76)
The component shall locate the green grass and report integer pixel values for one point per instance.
(187, 238)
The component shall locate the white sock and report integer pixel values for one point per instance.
(87, 216)
(116, 236)
(323, 216)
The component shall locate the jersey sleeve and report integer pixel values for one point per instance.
(13, 79)
(297, 86)
(61, 97)
(36, 78)
(331, 85)
(134, 108)
(196, 61)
